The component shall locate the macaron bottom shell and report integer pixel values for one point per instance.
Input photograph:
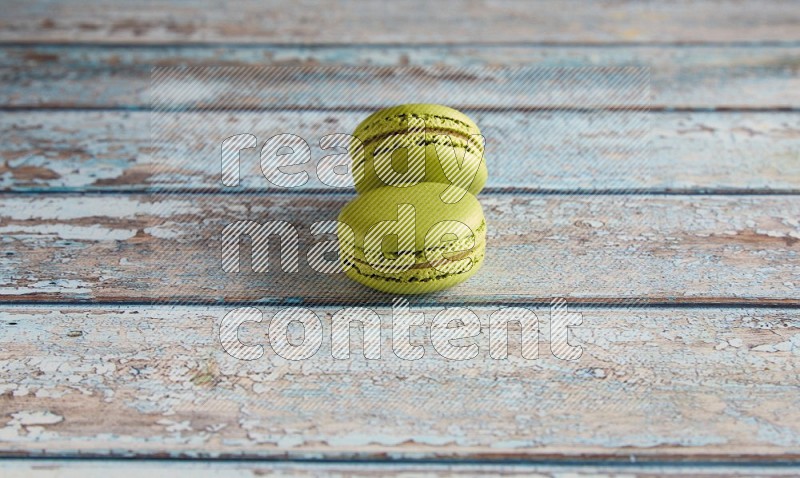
(418, 243)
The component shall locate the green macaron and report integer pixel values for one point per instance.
(409, 241)
(414, 143)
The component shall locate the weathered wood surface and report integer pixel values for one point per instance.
(652, 384)
(658, 384)
(224, 469)
(683, 249)
(415, 22)
(681, 77)
(497, 88)
(104, 151)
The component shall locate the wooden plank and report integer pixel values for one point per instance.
(681, 77)
(450, 22)
(651, 385)
(337, 87)
(223, 469)
(103, 151)
(677, 249)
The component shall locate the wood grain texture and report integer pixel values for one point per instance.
(682, 249)
(713, 386)
(407, 22)
(681, 77)
(222, 469)
(111, 151)
(654, 384)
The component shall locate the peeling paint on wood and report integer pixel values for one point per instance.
(223, 469)
(648, 248)
(80, 151)
(727, 77)
(497, 22)
(713, 386)
(128, 385)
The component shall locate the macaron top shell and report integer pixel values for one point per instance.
(447, 132)
(438, 117)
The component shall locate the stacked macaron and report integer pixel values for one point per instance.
(415, 226)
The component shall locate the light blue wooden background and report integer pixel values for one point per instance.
(689, 288)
